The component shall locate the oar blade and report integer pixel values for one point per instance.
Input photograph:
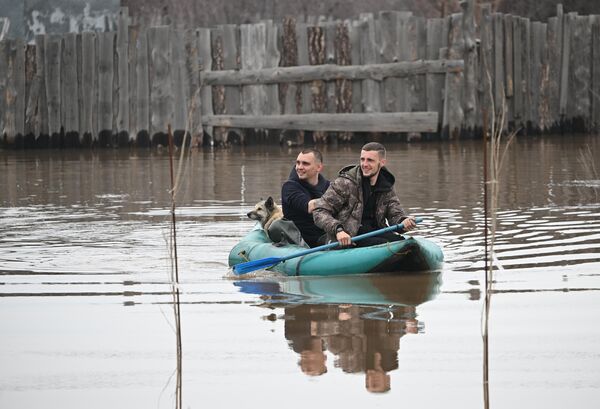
(249, 266)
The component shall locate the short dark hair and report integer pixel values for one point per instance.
(318, 155)
(375, 146)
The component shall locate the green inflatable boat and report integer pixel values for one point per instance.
(411, 254)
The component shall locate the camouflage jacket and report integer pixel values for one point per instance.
(342, 203)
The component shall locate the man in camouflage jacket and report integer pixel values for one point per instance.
(360, 200)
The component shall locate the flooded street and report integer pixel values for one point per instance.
(86, 311)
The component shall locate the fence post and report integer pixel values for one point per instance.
(70, 91)
(52, 62)
(470, 71)
(123, 130)
(106, 72)
(206, 95)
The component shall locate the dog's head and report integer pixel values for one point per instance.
(263, 210)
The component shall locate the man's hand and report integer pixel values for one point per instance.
(409, 223)
(311, 205)
(344, 238)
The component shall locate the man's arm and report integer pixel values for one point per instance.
(329, 205)
(395, 214)
(295, 197)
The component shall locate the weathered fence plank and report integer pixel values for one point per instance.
(595, 92)
(498, 47)
(272, 59)
(389, 22)
(32, 92)
(580, 83)
(143, 90)
(123, 97)
(508, 67)
(454, 80)
(205, 65)
(328, 72)
(88, 130)
(132, 52)
(551, 75)
(371, 91)
(161, 92)
(371, 122)
(486, 65)
(526, 68)
(343, 86)
(518, 90)
(226, 57)
(564, 66)
(106, 72)
(53, 51)
(304, 101)
(354, 33)
(538, 49)
(252, 57)
(41, 131)
(70, 91)
(470, 72)
(4, 45)
(179, 83)
(435, 82)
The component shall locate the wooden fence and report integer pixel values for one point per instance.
(390, 72)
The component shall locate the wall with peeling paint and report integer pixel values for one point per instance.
(31, 17)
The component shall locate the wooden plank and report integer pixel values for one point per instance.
(205, 65)
(343, 86)
(455, 80)
(132, 50)
(419, 99)
(4, 45)
(498, 49)
(252, 57)
(354, 33)
(143, 90)
(595, 97)
(568, 21)
(106, 73)
(178, 81)
(10, 94)
(368, 53)
(538, 48)
(193, 126)
(328, 72)
(405, 41)
(508, 67)
(161, 92)
(70, 90)
(305, 98)
(518, 90)
(289, 57)
(88, 85)
(580, 76)
(373, 122)
(32, 92)
(526, 62)
(225, 40)
(329, 29)
(123, 131)
(316, 55)
(551, 75)
(52, 62)
(272, 59)
(486, 64)
(470, 72)
(41, 132)
(389, 22)
(435, 82)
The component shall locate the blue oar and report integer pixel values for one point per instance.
(267, 262)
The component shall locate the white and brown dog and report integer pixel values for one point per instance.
(279, 230)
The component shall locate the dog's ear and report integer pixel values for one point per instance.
(269, 203)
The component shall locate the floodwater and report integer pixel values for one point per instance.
(86, 314)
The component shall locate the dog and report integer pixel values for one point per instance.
(278, 229)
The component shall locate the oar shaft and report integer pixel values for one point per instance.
(395, 227)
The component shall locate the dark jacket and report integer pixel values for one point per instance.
(295, 195)
(343, 203)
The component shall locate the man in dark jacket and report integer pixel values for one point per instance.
(361, 200)
(299, 192)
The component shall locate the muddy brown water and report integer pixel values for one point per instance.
(86, 315)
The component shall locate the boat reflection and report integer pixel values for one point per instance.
(358, 320)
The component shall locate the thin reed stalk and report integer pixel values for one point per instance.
(494, 153)
(175, 279)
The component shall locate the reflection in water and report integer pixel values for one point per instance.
(359, 320)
